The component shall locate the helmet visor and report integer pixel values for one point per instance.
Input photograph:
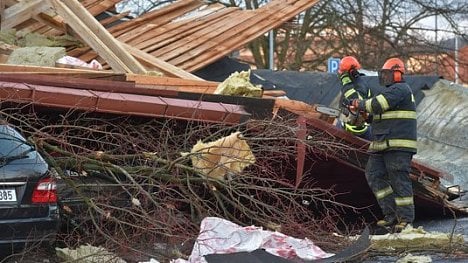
(386, 77)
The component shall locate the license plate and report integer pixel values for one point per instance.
(7, 195)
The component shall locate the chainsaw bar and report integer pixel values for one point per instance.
(328, 111)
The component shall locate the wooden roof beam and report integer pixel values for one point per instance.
(96, 36)
(163, 66)
(21, 12)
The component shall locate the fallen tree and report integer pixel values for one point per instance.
(136, 189)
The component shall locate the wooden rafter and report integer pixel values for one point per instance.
(21, 12)
(95, 35)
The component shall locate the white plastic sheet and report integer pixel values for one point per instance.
(68, 60)
(220, 236)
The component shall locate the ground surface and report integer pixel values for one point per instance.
(457, 226)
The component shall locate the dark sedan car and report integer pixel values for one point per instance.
(28, 197)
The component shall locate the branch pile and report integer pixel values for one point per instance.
(137, 190)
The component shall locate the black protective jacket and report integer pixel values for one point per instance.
(358, 89)
(394, 119)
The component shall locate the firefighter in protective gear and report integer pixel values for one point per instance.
(393, 145)
(353, 87)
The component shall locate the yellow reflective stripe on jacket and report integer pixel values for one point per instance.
(380, 146)
(346, 80)
(403, 201)
(383, 102)
(356, 130)
(369, 105)
(400, 114)
(383, 193)
(351, 92)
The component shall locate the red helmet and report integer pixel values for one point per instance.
(348, 63)
(392, 71)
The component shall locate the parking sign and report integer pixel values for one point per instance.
(333, 64)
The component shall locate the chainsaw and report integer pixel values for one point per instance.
(354, 118)
(332, 112)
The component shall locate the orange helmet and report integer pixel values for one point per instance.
(348, 63)
(392, 71)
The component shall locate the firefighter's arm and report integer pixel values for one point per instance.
(380, 103)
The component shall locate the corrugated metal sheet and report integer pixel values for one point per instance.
(443, 130)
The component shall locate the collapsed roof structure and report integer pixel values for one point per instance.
(178, 40)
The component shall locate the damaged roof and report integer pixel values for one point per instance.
(188, 34)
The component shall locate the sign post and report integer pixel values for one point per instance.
(333, 64)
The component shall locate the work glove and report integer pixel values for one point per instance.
(355, 103)
(345, 78)
(354, 106)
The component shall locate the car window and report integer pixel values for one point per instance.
(12, 143)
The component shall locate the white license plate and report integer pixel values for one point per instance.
(7, 195)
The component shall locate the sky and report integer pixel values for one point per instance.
(445, 30)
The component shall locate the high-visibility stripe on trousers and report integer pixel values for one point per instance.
(387, 174)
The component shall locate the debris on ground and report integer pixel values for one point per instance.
(220, 236)
(414, 259)
(415, 238)
(88, 254)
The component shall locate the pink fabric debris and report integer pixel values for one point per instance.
(220, 236)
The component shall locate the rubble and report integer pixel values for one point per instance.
(416, 239)
(88, 254)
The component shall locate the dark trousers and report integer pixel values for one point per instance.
(388, 176)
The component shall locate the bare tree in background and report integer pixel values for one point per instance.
(370, 30)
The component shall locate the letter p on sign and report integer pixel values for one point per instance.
(333, 64)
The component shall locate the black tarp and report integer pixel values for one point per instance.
(310, 87)
(323, 88)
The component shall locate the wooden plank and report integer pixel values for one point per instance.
(145, 18)
(227, 44)
(193, 44)
(195, 86)
(100, 6)
(189, 22)
(297, 107)
(21, 12)
(42, 69)
(177, 33)
(49, 20)
(44, 29)
(165, 67)
(89, 37)
(191, 89)
(112, 19)
(90, 3)
(274, 93)
(103, 35)
(168, 81)
(234, 29)
(69, 82)
(130, 35)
